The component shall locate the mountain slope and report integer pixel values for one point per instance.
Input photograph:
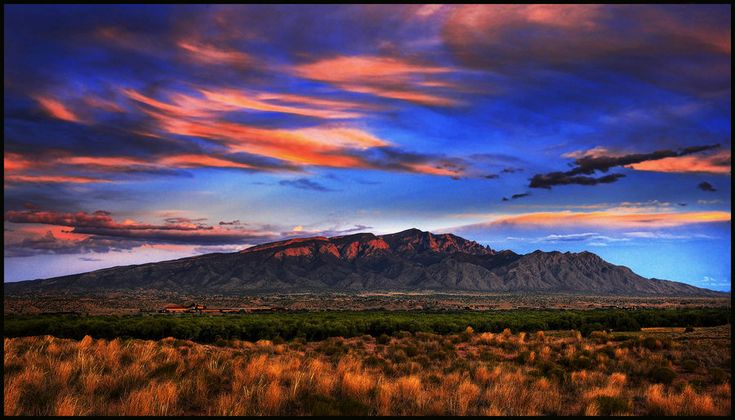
(408, 260)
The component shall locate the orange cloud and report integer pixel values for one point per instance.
(105, 161)
(15, 162)
(189, 109)
(53, 179)
(102, 104)
(56, 109)
(566, 15)
(327, 146)
(719, 163)
(227, 100)
(236, 99)
(197, 161)
(609, 219)
(381, 76)
(432, 170)
(312, 146)
(406, 95)
(206, 53)
(470, 22)
(350, 69)
(59, 232)
(336, 146)
(309, 100)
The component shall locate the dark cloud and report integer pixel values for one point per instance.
(104, 234)
(180, 220)
(706, 186)
(49, 244)
(563, 178)
(492, 176)
(234, 222)
(588, 165)
(677, 47)
(505, 199)
(517, 196)
(511, 170)
(99, 219)
(395, 159)
(305, 184)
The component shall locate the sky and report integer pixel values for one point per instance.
(146, 133)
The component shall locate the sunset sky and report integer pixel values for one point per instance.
(145, 133)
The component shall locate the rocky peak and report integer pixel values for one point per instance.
(349, 247)
(417, 241)
(290, 243)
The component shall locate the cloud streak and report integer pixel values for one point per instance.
(589, 164)
(605, 219)
(305, 184)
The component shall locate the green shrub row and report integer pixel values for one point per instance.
(321, 325)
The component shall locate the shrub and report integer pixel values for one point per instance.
(622, 337)
(411, 351)
(372, 361)
(383, 339)
(434, 379)
(651, 343)
(611, 406)
(403, 334)
(689, 365)
(718, 375)
(581, 362)
(524, 357)
(609, 351)
(662, 374)
(599, 336)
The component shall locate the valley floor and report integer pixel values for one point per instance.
(133, 302)
(661, 371)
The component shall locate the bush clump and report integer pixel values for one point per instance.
(718, 375)
(662, 374)
(651, 343)
(611, 406)
(689, 365)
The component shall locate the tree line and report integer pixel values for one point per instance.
(314, 326)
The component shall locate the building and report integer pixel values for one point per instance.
(168, 309)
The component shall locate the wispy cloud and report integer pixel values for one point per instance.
(56, 109)
(605, 219)
(588, 164)
(305, 184)
(387, 77)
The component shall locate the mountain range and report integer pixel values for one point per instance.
(404, 261)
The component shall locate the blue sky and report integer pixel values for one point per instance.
(145, 133)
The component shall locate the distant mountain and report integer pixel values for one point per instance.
(408, 260)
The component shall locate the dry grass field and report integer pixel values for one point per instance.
(657, 373)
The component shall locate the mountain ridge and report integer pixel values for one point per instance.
(402, 261)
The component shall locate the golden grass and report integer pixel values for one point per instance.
(559, 373)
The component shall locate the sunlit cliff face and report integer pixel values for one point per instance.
(144, 133)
